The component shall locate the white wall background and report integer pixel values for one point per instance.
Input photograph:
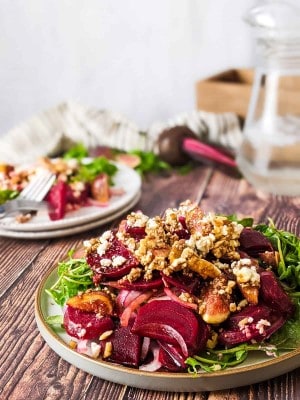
(138, 57)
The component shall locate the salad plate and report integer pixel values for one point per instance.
(73, 230)
(257, 367)
(125, 179)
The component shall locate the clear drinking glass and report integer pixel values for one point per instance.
(269, 156)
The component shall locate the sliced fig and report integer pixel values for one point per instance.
(215, 307)
(100, 188)
(92, 301)
(85, 325)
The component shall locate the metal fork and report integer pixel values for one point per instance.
(30, 199)
(38, 187)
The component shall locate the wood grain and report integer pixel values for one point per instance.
(31, 370)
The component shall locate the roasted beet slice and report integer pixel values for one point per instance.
(77, 197)
(57, 197)
(142, 285)
(85, 325)
(273, 294)
(187, 283)
(171, 357)
(126, 347)
(254, 242)
(254, 322)
(169, 321)
(137, 232)
(112, 271)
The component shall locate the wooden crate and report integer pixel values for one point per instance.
(228, 91)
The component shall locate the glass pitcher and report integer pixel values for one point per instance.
(269, 156)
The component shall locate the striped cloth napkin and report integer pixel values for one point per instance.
(56, 130)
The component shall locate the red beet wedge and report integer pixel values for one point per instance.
(126, 347)
(170, 322)
(254, 242)
(115, 248)
(85, 325)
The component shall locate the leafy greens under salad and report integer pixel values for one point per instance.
(187, 291)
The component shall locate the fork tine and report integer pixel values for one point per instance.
(38, 187)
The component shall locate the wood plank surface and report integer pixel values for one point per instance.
(31, 370)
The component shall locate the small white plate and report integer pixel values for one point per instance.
(256, 368)
(73, 230)
(126, 178)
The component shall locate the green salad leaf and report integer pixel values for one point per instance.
(74, 275)
(79, 151)
(6, 194)
(89, 171)
(54, 320)
(150, 162)
(214, 360)
(246, 222)
(288, 336)
(288, 246)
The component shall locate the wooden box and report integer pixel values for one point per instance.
(228, 91)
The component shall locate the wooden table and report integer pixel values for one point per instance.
(31, 370)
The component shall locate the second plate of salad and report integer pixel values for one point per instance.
(124, 185)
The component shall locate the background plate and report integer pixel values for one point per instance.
(72, 230)
(126, 178)
(257, 368)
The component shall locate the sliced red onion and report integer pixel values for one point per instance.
(155, 364)
(173, 296)
(126, 314)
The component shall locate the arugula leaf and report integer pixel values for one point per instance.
(7, 194)
(54, 320)
(74, 275)
(150, 162)
(79, 151)
(246, 222)
(288, 246)
(88, 172)
(288, 336)
(214, 360)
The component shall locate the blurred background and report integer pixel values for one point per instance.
(138, 57)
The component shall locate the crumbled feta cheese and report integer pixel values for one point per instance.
(118, 260)
(105, 262)
(261, 325)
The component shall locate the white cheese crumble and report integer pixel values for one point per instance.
(118, 260)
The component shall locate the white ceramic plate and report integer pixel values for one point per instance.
(257, 367)
(72, 230)
(126, 178)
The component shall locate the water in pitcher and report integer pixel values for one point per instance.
(271, 161)
(269, 156)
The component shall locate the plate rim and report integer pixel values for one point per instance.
(205, 380)
(72, 230)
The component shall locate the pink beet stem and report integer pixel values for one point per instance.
(206, 151)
